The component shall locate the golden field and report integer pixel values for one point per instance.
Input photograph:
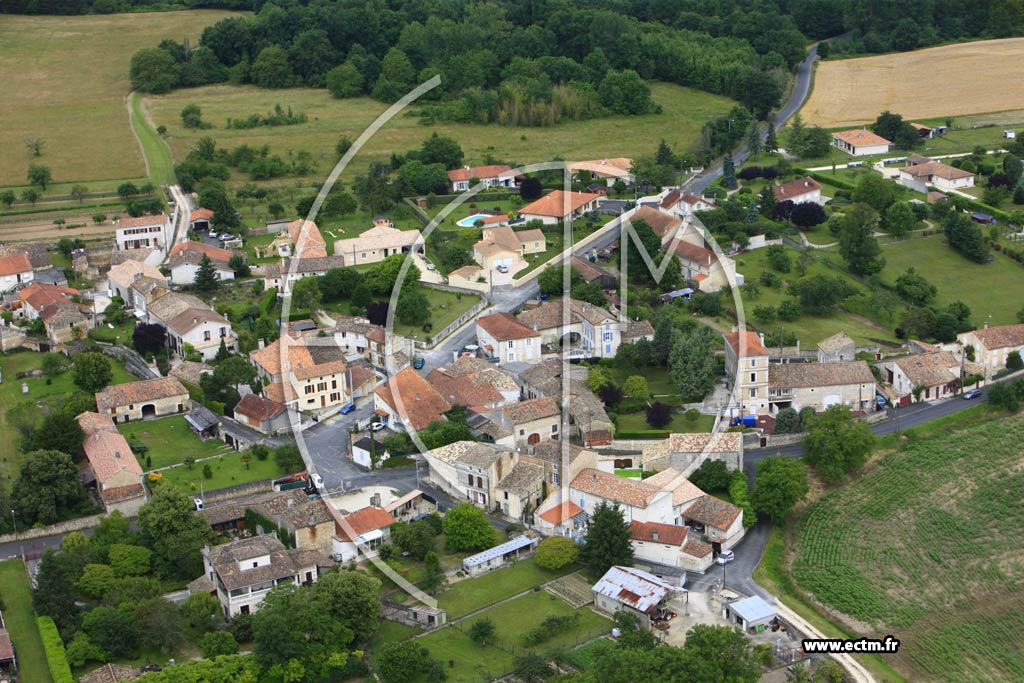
(967, 78)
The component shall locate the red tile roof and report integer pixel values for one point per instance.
(795, 188)
(694, 253)
(359, 522)
(534, 409)
(713, 512)
(754, 345)
(860, 137)
(14, 264)
(481, 172)
(559, 203)
(258, 409)
(653, 532)
(505, 327)
(413, 399)
(138, 392)
(215, 253)
(1001, 337)
(200, 215)
(561, 513)
(108, 452)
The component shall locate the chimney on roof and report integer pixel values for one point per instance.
(375, 500)
(290, 501)
(761, 337)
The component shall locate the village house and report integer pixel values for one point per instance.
(591, 426)
(722, 522)
(368, 452)
(821, 385)
(146, 289)
(687, 452)
(664, 225)
(476, 384)
(639, 500)
(800, 191)
(683, 491)
(15, 270)
(143, 400)
(310, 522)
(492, 175)
(502, 247)
(634, 591)
(471, 470)
(609, 169)
(838, 348)
(360, 532)
(588, 331)
(200, 219)
(993, 344)
(925, 376)
(746, 362)
(306, 240)
(122, 277)
(660, 547)
(591, 273)
(262, 414)
(186, 257)
(860, 142)
(519, 493)
(709, 270)
(684, 204)
(63, 319)
(558, 206)
(560, 460)
(143, 232)
(377, 243)
(190, 321)
(411, 505)
(502, 336)
(469, 277)
(921, 177)
(409, 402)
(112, 465)
(241, 573)
(282, 275)
(531, 421)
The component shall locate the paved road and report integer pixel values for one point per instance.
(738, 573)
(801, 89)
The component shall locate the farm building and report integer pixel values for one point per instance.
(838, 348)
(499, 555)
(634, 591)
(145, 399)
(752, 614)
(820, 385)
(860, 142)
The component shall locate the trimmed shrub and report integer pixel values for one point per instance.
(56, 658)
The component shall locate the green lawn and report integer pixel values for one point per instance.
(118, 334)
(631, 473)
(52, 394)
(658, 381)
(389, 633)
(445, 308)
(227, 471)
(170, 441)
(990, 290)
(512, 620)
(158, 154)
(20, 621)
(469, 595)
(679, 425)
(809, 329)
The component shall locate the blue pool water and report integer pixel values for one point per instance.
(470, 220)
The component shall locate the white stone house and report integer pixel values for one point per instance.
(491, 175)
(505, 338)
(143, 232)
(860, 142)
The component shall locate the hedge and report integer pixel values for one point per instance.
(642, 434)
(827, 179)
(56, 658)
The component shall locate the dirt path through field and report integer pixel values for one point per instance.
(135, 133)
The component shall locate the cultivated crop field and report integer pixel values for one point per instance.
(967, 78)
(685, 111)
(927, 547)
(65, 80)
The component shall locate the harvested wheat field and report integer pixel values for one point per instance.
(968, 78)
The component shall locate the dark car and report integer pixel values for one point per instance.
(973, 393)
(418, 363)
(347, 408)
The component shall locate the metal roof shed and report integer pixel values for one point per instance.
(634, 588)
(496, 556)
(751, 612)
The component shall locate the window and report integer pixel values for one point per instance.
(308, 389)
(334, 384)
(206, 335)
(321, 386)
(223, 332)
(753, 393)
(511, 344)
(554, 428)
(753, 363)
(753, 377)
(529, 342)
(522, 431)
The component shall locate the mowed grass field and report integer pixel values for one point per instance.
(20, 621)
(926, 546)
(65, 80)
(684, 113)
(967, 78)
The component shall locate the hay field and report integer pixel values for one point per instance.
(65, 80)
(685, 111)
(967, 78)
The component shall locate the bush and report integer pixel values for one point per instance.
(549, 628)
(216, 643)
(56, 658)
(556, 552)
(740, 494)
(482, 632)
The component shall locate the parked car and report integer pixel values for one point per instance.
(226, 237)
(213, 233)
(377, 426)
(973, 393)
(502, 269)
(431, 266)
(347, 408)
(318, 481)
(725, 557)
(419, 363)
(198, 502)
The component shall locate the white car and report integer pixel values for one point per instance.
(431, 266)
(198, 502)
(212, 233)
(726, 557)
(226, 237)
(318, 481)
(377, 426)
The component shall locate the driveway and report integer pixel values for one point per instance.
(738, 573)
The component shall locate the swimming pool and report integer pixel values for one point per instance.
(468, 221)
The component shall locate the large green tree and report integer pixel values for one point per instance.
(47, 488)
(607, 541)
(857, 243)
(965, 236)
(58, 432)
(92, 371)
(692, 363)
(780, 484)
(837, 444)
(153, 70)
(466, 527)
(272, 69)
(174, 534)
(52, 596)
(207, 279)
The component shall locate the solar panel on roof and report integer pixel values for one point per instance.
(497, 551)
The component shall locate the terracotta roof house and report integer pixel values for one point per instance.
(242, 572)
(112, 465)
(591, 273)
(746, 344)
(504, 247)
(121, 277)
(284, 273)
(491, 175)
(360, 532)
(142, 232)
(191, 372)
(632, 494)
(502, 336)
(63, 319)
(664, 225)
(799, 191)
(933, 375)
(200, 219)
(723, 521)
(820, 385)
(685, 203)
(591, 331)
(610, 169)
(144, 399)
(262, 414)
(686, 452)
(409, 401)
(922, 177)
(531, 421)
(15, 270)
(189, 320)
(377, 243)
(993, 344)
(559, 205)
(38, 253)
(482, 389)
(668, 550)
(860, 142)
(185, 258)
(307, 240)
